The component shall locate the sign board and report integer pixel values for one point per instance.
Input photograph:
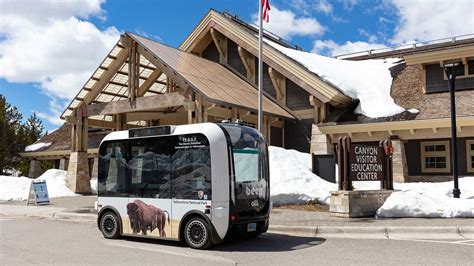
(39, 191)
(366, 162)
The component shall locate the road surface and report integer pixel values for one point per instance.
(43, 241)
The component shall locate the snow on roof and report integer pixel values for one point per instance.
(37, 146)
(367, 80)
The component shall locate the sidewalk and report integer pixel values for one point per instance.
(293, 222)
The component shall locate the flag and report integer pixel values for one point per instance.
(265, 9)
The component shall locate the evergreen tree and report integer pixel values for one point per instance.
(15, 136)
(34, 128)
(10, 144)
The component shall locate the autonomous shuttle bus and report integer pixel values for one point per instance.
(197, 183)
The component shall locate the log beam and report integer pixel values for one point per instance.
(106, 76)
(279, 83)
(139, 104)
(221, 43)
(248, 60)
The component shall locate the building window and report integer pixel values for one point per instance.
(470, 155)
(435, 157)
(462, 70)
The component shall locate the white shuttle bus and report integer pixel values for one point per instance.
(195, 183)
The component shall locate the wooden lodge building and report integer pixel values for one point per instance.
(212, 76)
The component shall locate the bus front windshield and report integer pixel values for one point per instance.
(250, 162)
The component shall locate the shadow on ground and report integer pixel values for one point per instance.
(268, 242)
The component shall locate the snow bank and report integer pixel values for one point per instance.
(37, 146)
(367, 80)
(430, 200)
(292, 182)
(17, 188)
(291, 179)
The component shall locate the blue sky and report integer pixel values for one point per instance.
(46, 56)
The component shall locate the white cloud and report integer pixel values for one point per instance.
(349, 4)
(286, 24)
(331, 48)
(49, 43)
(428, 20)
(56, 108)
(323, 6)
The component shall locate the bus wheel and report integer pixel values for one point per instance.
(197, 233)
(110, 225)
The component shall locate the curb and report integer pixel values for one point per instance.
(88, 217)
(360, 232)
(380, 232)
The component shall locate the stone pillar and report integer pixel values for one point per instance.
(95, 175)
(63, 164)
(78, 179)
(35, 169)
(320, 143)
(400, 168)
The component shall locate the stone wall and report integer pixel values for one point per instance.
(364, 203)
(78, 179)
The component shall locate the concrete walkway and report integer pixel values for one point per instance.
(302, 223)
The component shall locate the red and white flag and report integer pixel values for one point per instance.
(265, 9)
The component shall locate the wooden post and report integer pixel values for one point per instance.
(346, 143)
(340, 163)
(198, 103)
(78, 131)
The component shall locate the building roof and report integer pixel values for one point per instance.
(60, 140)
(245, 36)
(411, 49)
(212, 79)
(407, 91)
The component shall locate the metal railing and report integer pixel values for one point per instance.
(405, 46)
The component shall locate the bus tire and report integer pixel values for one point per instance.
(197, 233)
(110, 225)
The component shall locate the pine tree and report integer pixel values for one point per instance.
(34, 128)
(10, 124)
(15, 136)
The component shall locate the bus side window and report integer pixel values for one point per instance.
(191, 167)
(150, 168)
(113, 170)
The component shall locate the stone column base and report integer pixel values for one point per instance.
(63, 164)
(351, 204)
(35, 169)
(78, 179)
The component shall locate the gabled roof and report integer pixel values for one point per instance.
(213, 80)
(246, 37)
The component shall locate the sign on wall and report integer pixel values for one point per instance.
(366, 162)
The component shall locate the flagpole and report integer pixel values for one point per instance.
(260, 65)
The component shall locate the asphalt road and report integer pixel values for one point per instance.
(44, 241)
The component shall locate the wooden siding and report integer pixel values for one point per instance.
(435, 81)
(298, 135)
(413, 157)
(296, 97)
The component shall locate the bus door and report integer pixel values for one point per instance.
(191, 176)
(149, 204)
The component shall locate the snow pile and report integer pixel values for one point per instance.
(368, 80)
(291, 180)
(37, 146)
(17, 188)
(430, 200)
